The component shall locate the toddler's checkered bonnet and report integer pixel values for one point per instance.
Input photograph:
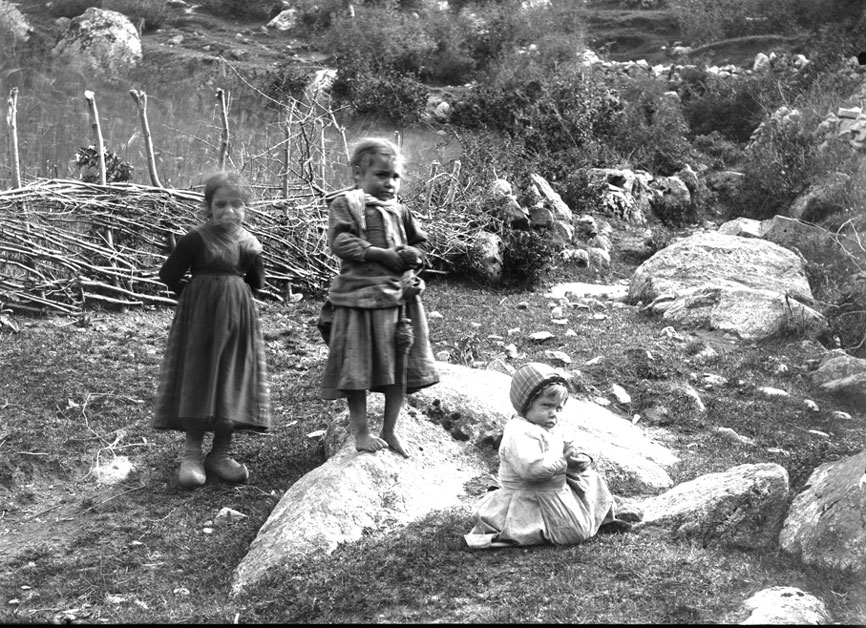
(528, 381)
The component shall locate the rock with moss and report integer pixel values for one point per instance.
(826, 523)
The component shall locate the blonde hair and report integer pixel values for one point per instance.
(372, 147)
(223, 179)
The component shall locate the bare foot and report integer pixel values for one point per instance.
(395, 444)
(369, 442)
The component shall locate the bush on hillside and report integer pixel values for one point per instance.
(652, 129)
(242, 9)
(546, 113)
(70, 8)
(705, 21)
(153, 12)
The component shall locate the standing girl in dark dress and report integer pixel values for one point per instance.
(214, 377)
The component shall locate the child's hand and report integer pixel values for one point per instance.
(578, 462)
(411, 256)
(390, 259)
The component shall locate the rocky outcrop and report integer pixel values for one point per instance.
(452, 431)
(782, 605)
(625, 194)
(13, 25)
(826, 523)
(751, 288)
(354, 492)
(841, 373)
(743, 507)
(99, 42)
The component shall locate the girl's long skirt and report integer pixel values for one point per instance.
(214, 366)
(363, 354)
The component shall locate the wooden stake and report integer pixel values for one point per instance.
(12, 123)
(224, 144)
(140, 99)
(97, 134)
(288, 151)
(431, 182)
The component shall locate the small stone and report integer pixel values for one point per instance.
(558, 356)
(819, 433)
(620, 394)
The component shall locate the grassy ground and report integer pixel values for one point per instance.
(78, 392)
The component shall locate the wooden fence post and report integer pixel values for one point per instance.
(97, 133)
(288, 150)
(12, 123)
(452, 184)
(140, 99)
(224, 143)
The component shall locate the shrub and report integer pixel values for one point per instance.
(70, 8)
(386, 93)
(379, 56)
(286, 80)
(733, 106)
(703, 21)
(527, 256)
(652, 129)
(451, 61)
(241, 9)
(153, 12)
(87, 160)
(548, 113)
(720, 151)
(377, 39)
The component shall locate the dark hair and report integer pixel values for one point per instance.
(217, 180)
(368, 148)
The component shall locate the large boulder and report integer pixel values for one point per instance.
(450, 465)
(743, 507)
(746, 286)
(841, 373)
(814, 243)
(354, 492)
(99, 42)
(820, 199)
(14, 27)
(551, 199)
(625, 194)
(474, 405)
(826, 523)
(485, 254)
(672, 203)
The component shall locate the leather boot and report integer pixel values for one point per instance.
(219, 463)
(191, 474)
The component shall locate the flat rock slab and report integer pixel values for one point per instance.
(623, 452)
(580, 289)
(782, 605)
(353, 492)
(742, 507)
